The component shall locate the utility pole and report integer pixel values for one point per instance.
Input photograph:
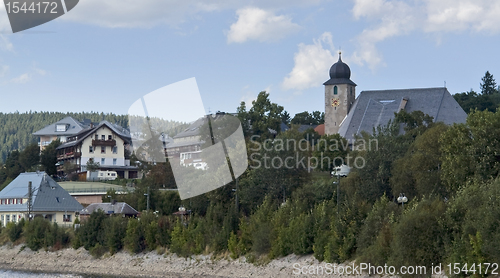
(30, 200)
(236, 198)
(338, 193)
(147, 210)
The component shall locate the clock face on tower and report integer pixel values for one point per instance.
(335, 102)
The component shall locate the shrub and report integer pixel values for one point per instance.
(15, 230)
(35, 233)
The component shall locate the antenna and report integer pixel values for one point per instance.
(445, 83)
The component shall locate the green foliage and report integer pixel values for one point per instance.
(116, 228)
(93, 230)
(49, 157)
(263, 115)
(97, 251)
(418, 172)
(14, 230)
(36, 233)
(471, 150)
(330, 151)
(306, 118)
(134, 239)
(376, 234)
(418, 238)
(488, 84)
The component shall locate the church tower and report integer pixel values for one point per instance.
(340, 93)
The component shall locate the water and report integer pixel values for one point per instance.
(23, 274)
(19, 274)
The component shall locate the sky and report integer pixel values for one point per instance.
(104, 55)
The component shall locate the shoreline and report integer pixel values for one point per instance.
(123, 264)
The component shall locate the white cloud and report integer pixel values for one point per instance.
(148, 13)
(395, 18)
(23, 78)
(258, 24)
(312, 61)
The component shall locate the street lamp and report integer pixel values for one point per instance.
(402, 199)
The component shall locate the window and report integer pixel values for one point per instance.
(61, 127)
(103, 149)
(20, 201)
(91, 149)
(114, 161)
(110, 137)
(102, 161)
(97, 137)
(2, 218)
(115, 149)
(335, 90)
(7, 218)
(103, 137)
(14, 218)
(67, 218)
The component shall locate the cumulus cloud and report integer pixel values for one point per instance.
(148, 13)
(261, 25)
(312, 61)
(395, 18)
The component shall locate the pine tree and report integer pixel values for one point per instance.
(488, 84)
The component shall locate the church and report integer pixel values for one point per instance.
(349, 116)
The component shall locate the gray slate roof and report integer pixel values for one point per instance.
(47, 194)
(109, 208)
(74, 128)
(120, 131)
(374, 108)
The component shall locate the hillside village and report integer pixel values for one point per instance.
(86, 186)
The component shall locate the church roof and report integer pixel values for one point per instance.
(374, 108)
(340, 73)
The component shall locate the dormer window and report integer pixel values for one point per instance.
(61, 127)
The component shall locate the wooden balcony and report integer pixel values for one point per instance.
(110, 143)
(69, 155)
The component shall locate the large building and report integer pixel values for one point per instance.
(48, 199)
(105, 143)
(61, 130)
(349, 116)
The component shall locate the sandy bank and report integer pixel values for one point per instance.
(148, 264)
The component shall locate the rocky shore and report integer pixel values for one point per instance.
(149, 264)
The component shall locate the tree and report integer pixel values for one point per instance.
(49, 157)
(471, 150)
(264, 115)
(330, 150)
(306, 118)
(285, 117)
(92, 165)
(488, 84)
(30, 156)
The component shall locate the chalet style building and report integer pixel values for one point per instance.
(104, 143)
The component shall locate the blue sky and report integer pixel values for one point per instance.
(105, 54)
